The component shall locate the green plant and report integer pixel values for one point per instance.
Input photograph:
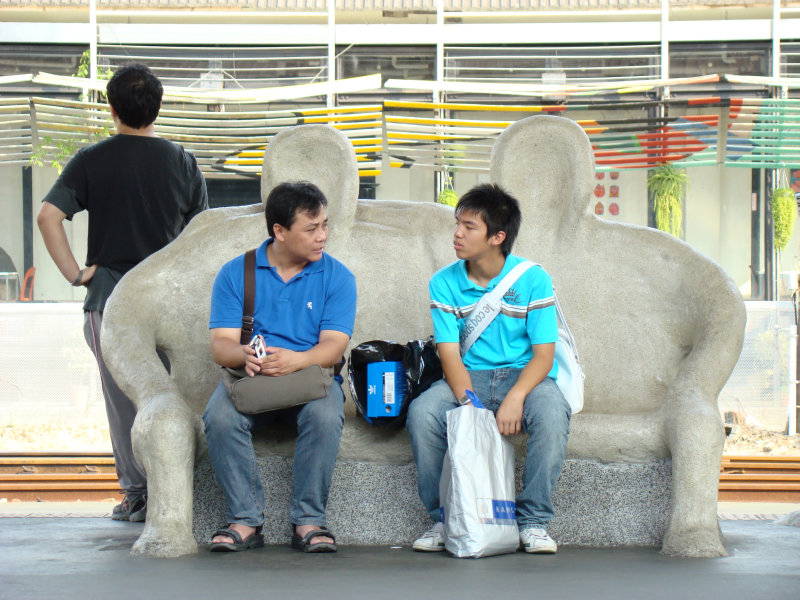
(83, 65)
(84, 68)
(783, 215)
(61, 150)
(667, 185)
(448, 195)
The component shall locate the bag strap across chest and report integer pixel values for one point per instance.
(488, 307)
(249, 296)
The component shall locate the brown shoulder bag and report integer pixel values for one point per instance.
(263, 393)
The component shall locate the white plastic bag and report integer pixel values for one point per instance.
(477, 486)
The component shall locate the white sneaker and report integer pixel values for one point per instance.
(536, 541)
(432, 540)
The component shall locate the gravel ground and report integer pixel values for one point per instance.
(748, 440)
(54, 438)
(743, 440)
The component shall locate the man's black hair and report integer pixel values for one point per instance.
(289, 198)
(135, 94)
(498, 209)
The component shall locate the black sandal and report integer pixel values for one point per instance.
(254, 540)
(304, 543)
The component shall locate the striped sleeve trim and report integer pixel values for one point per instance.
(541, 303)
(459, 311)
(520, 312)
(443, 307)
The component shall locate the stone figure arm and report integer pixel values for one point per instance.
(51, 224)
(509, 415)
(692, 423)
(712, 334)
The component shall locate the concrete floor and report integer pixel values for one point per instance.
(66, 558)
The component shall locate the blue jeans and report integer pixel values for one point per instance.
(230, 445)
(545, 418)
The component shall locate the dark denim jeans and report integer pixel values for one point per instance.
(230, 445)
(545, 418)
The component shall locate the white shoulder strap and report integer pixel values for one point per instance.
(488, 307)
(562, 323)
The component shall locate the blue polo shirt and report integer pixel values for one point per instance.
(288, 314)
(527, 315)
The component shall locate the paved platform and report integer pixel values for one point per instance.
(728, 511)
(76, 558)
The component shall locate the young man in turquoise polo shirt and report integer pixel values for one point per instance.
(510, 366)
(305, 307)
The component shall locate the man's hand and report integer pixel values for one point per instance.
(252, 365)
(51, 225)
(87, 274)
(509, 415)
(280, 361)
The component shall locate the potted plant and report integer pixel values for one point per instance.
(783, 215)
(668, 187)
(448, 195)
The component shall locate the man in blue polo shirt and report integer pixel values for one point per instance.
(305, 306)
(509, 366)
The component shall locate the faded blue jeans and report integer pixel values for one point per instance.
(230, 445)
(546, 416)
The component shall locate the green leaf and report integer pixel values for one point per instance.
(783, 216)
(667, 184)
(448, 197)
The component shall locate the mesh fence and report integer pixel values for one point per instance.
(757, 392)
(48, 375)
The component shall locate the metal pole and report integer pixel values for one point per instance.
(331, 50)
(776, 38)
(665, 43)
(756, 274)
(438, 178)
(769, 236)
(794, 339)
(92, 50)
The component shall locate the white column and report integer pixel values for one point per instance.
(437, 92)
(792, 404)
(331, 48)
(776, 38)
(665, 44)
(92, 47)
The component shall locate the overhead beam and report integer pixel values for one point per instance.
(398, 34)
(45, 33)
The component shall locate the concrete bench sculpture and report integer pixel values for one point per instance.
(658, 325)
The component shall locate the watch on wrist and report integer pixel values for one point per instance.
(77, 281)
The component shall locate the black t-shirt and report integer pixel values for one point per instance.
(140, 192)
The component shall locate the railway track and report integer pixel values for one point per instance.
(760, 479)
(91, 476)
(52, 477)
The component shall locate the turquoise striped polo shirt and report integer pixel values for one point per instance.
(527, 315)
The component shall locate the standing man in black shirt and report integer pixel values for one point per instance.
(141, 191)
